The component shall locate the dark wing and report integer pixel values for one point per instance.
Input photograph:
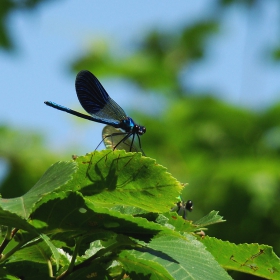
(96, 101)
(92, 96)
(112, 136)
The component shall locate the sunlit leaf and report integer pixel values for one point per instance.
(210, 219)
(255, 259)
(108, 179)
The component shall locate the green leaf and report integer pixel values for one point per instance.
(34, 255)
(255, 259)
(210, 219)
(13, 220)
(176, 222)
(124, 179)
(54, 250)
(141, 268)
(93, 248)
(57, 175)
(68, 212)
(183, 258)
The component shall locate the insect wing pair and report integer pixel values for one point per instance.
(120, 132)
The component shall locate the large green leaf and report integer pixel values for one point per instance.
(259, 260)
(108, 179)
(56, 176)
(67, 212)
(183, 258)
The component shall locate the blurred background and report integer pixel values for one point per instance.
(202, 77)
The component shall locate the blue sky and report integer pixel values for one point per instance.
(58, 31)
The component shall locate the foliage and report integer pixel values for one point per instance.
(6, 8)
(161, 57)
(229, 155)
(107, 215)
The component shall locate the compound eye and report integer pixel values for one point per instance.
(189, 205)
(142, 130)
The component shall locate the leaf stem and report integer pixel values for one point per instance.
(12, 251)
(73, 259)
(8, 237)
